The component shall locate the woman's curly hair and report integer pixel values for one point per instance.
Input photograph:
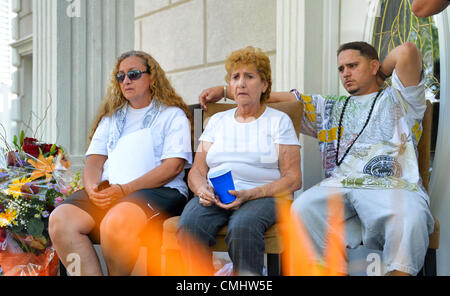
(255, 57)
(160, 89)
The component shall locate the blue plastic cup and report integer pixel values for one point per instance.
(222, 181)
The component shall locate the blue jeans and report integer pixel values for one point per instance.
(244, 238)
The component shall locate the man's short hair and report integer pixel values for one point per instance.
(364, 48)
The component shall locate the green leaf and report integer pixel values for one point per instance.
(15, 142)
(35, 227)
(52, 150)
(22, 137)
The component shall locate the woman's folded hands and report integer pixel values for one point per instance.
(106, 197)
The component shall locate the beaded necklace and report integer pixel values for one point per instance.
(339, 162)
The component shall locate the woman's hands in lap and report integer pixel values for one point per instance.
(206, 196)
(106, 197)
(242, 196)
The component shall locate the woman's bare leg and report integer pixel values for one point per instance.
(69, 227)
(120, 230)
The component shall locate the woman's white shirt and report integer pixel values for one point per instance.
(170, 135)
(250, 150)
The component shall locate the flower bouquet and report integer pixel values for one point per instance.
(34, 179)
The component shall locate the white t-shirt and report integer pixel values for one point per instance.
(171, 136)
(248, 149)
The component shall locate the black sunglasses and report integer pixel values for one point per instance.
(133, 75)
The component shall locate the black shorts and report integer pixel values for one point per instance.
(157, 203)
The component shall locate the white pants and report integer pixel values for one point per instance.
(396, 221)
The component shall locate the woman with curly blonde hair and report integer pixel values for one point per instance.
(140, 143)
(161, 89)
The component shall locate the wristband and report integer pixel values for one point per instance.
(225, 93)
(121, 189)
(264, 191)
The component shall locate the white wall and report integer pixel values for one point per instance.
(192, 38)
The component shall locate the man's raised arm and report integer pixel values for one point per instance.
(406, 59)
(425, 8)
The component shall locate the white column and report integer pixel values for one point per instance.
(331, 21)
(16, 6)
(75, 46)
(439, 185)
(307, 40)
(5, 127)
(44, 98)
(290, 45)
(14, 116)
(373, 11)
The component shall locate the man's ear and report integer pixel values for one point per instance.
(374, 66)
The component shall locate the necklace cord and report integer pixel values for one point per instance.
(339, 162)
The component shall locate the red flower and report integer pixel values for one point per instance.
(34, 188)
(29, 188)
(31, 149)
(2, 235)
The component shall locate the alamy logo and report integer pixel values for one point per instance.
(74, 266)
(74, 8)
(374, 268)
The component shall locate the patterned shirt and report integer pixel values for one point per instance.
(385, 154)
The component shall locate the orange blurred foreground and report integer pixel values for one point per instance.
(169, 262)
(299, 257)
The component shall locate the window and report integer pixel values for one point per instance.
(396, 25)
